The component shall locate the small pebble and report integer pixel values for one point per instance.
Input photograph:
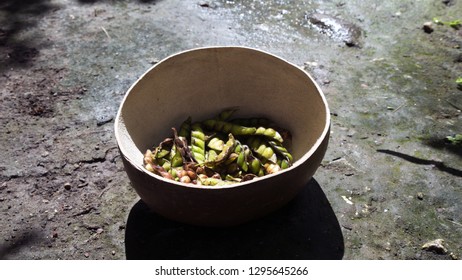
(67, 186)
(420, 196)
(103, 119)
(428, 27)
(86, 255)
(113, 253)
(436, 246)
(153, 61)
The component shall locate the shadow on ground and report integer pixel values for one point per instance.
(306, 228)
(25, 239)
(442, 143)
(17, 17)
(438, 164)
(18, 48)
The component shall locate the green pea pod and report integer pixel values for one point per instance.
(211, 155)
(264, 122)
(231, 158)
(242, 157)
(210, 181)
(185, 129)
(224, 154)
(216, 143)
(226, 114)
(198, 143)
(283, 163)
(175, 157)
(269, 154)
(238, 147)
(254, 142)
(162, 153)
(227, 127)
(182, 147)
(166, 165)
(262, 149)
(281, 150)
(270, 133)
(163, 149)
(255, 166)
(271, 168)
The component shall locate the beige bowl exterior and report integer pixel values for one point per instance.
(200, 83)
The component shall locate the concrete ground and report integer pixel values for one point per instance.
(389, 184)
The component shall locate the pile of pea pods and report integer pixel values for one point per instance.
(221, 150)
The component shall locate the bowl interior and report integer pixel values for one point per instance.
(201, 82)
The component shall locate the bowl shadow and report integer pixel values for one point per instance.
(306, 228)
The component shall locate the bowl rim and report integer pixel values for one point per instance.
(297, 163)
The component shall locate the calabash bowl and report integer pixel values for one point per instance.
(200, 83)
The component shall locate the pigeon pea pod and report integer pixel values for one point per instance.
(182, 148)
(162, 153)
(224, 154)
(281, 150)
(271, 168)
(175, 157)
(242, 153)
(270, 133)
(165, 164)
(231, 158)
(226, 114)
(216, 144)
(227, 127)
(239, 130)
(163, 150)
(210, 181)
(255, 166)
(185, 128)
(198, 143)
(269, 154)
(262, 149)
(211, 156)
(221, 151)
(283, 163)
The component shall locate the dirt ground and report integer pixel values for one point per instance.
(390, 181)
